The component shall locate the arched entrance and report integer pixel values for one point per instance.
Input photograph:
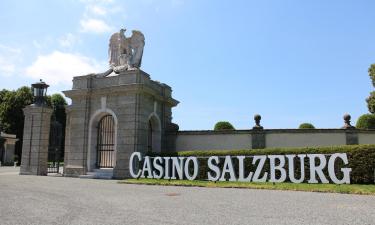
(154, 134)
(105, 147)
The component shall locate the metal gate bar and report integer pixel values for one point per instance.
(55, 147)
(105, 143)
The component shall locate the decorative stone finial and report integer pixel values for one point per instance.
(257, 119)
(347, 124)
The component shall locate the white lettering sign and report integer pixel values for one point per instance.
(271, 168)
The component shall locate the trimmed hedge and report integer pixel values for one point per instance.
(223, 125)
(361, 160)
(366, 121)
(306, 126)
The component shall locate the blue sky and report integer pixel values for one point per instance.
(290, 61)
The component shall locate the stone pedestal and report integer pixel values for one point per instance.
(35, 140)
(134, 101)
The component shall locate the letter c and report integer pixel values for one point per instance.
(131, 165)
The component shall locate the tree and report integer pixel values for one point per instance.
(12, 104)
(371, 72)
(223, 125)
(366, 121)
(11, 112)
(58, 104)
(371, 99)
(371, 102)
(11, 109)
(306, 126)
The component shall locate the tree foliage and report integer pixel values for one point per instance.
(58, 104)
(223, 125)
(371, 102)
(11, 112)
(306, 126)
(371, 99)
(12, 104)
(371, 73)
(11, 109)
(366, 121)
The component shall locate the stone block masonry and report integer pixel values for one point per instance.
(141, 113)
(35, 141)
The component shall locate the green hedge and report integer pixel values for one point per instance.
(366, 121)
(361, 160)
(306, 126)
(223, 125)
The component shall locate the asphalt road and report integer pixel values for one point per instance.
(59, 200)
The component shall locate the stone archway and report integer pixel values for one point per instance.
(154, 133)
(94, 138)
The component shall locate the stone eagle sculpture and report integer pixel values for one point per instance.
(124, 53)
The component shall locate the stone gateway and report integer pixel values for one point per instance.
(113, 116)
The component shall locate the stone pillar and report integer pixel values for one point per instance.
(35, 140)
(258, 136)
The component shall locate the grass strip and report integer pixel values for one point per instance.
(361, 189)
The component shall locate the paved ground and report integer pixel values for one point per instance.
(59, 200)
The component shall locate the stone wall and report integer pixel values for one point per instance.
(269, 138)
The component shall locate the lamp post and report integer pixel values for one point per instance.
(36, 133)
(40, 92)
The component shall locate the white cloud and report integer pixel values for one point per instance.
(97, 15)
(94, 26)
(97, 10)
(60, 68)
(68, 40)
(9, 58)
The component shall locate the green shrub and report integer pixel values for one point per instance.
(223, 125)
(306, 126)
(361, 160)
(366, 121)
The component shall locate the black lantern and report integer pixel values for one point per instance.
(40, 92)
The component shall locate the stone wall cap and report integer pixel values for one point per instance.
(44, 108)
(270, 131)
(10, 136)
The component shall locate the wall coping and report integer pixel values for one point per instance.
(271, 131)
(8, 136)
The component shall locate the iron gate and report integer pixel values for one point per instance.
(55, 147)
(105, 143)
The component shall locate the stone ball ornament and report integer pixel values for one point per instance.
(347, 124)
(257, 119)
